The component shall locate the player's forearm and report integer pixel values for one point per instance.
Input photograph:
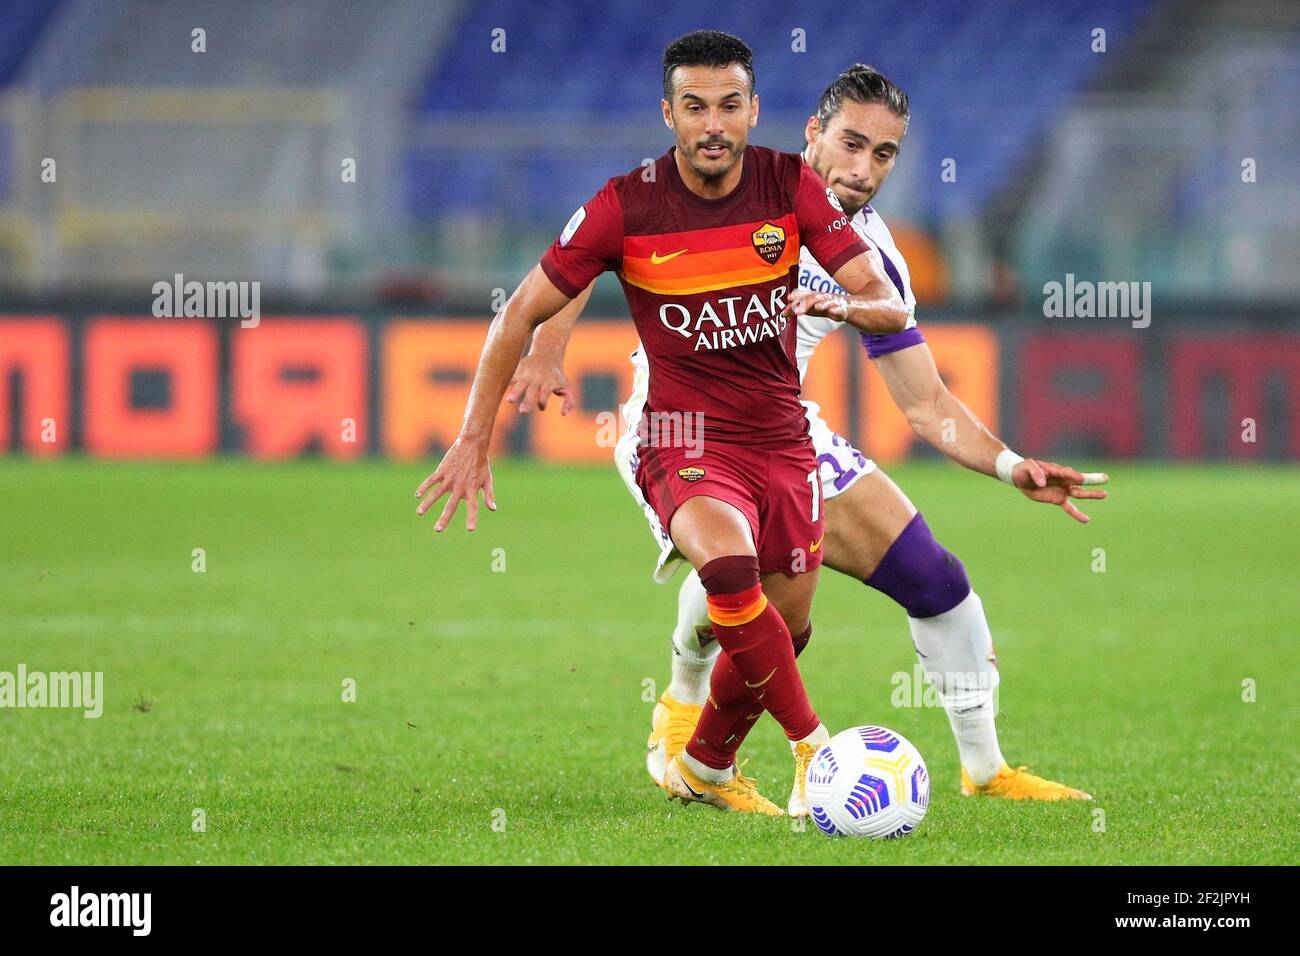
(552, 337)
(935, 413)
(551, 340)
(947, 424)
(536, 300)
(507, 336)
(882, 311)
(872, 303)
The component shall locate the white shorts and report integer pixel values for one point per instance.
(841, 465)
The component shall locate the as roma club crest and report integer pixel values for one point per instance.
(690, 474)
(769, 242)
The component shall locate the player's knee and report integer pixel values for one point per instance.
(730, 575)
(920, 574)
(735, 595)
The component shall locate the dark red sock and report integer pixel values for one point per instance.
(756, 664)
(731, 711)
(727, 717)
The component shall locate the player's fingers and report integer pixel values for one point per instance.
(569, 401)
(1074, 512)
(515, 390)
(1077, 491)
(489, 495)
(432, 499)
(553, 386)
(525, 401)
(834, 306)
(1094, 478)
(471, 509)
(1036, 472)
(436, 478)
(453, 503)
(535, 398)
(1062, 473)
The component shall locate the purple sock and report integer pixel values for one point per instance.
(919, 573)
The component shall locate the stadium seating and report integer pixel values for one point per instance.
(984, 98)
(20, 24)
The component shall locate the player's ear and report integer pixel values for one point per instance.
(753, 111)
(668, 113)
(812, 129)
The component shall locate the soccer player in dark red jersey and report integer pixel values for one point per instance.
(874, 534)
(706, 245)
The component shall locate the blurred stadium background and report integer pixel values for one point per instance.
(1112, 140)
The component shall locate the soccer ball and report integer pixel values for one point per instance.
(868, 781)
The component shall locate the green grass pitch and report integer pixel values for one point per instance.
(500, 715)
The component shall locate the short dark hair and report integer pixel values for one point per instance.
(706, 48)
(862, 84)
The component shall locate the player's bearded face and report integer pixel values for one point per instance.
(856, 151)
(711, 113)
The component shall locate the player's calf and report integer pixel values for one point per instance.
(756, 669)
(952, 639)
(695, 651)
(694, 645)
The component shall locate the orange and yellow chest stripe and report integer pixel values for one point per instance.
(705, 260)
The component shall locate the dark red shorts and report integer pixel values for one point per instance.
(778, 491)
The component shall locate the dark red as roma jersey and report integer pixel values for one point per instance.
(706, 280)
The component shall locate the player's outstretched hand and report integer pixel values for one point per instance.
(536, 379)
(1054, 484)
(462, 474)
(826, 304)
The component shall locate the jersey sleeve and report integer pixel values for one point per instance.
(878, 344)
(591, 243)
(823, 227)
